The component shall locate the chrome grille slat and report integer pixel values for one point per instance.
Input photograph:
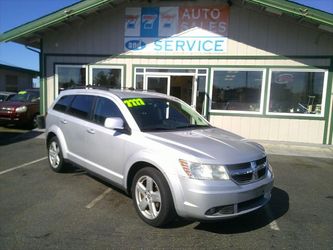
(248, 172)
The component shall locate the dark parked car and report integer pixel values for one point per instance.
(4, 95)
(21, 109)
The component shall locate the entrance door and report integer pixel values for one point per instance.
(182, 88)
(189, 88)
(159, 84)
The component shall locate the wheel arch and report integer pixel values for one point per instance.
(133, 170)
(55, 131)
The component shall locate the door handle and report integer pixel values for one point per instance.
(91, 131)
(64, 121)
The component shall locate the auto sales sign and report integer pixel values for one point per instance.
(176, 29)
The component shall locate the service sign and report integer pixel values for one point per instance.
(176, 29)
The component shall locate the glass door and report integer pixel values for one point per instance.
(160, 84)
(182, 87)
(189, 85)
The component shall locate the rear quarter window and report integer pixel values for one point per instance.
(63, 103)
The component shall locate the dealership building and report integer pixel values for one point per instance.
(260, 68)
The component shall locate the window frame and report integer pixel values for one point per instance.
(56, 75)
(323, 99)
(262, 92)
(106, 66)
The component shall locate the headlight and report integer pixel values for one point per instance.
(21, 109)
(204, 171)
(270, 170)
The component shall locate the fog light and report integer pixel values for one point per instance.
(211, 211)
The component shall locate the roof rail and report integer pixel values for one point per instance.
(89, 86)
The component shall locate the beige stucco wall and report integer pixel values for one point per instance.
(250, 32)
(295, 130)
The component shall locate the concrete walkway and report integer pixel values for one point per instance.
(298, 149)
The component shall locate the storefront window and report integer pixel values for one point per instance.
(237, 90)
(296, 92)
(106, 77)
(201, 94)
(69, 76)
(139, 82)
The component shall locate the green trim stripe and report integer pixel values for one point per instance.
(329, 129)
(297, 10)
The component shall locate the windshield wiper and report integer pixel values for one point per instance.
(154, 129)
(193, 126)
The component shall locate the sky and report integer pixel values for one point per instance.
(17, 12)
(14, 13)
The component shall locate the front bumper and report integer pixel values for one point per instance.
(214, 200)
(12, 118)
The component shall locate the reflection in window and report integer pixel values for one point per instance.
(63, 103)
(105, 108)
(106, 77)
(237, 90)
(81, 106)
(158, 84)
(70, 76)
(296, 92)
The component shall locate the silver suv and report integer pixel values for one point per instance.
(161, 152)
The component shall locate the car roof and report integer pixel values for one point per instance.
(7, 93)
(120, 93)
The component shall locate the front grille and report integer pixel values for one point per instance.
(246, 205)
(244, 173)
(238, 207)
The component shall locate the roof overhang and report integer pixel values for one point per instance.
(31, 72)
(322, 19)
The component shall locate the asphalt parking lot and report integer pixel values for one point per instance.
(40, 209)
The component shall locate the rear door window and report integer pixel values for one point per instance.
(81, 106)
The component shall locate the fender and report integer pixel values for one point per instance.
(57, 131)
(166, 165)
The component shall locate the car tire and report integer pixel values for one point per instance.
(55, 157)
(33, 122)
(152, 197)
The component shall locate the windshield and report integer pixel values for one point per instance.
(153, 114)
(24, 96)
(3, 97)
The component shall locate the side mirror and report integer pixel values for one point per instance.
(117, 123)
(114, 123)
(35, 99)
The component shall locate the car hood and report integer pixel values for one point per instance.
(12, 104)
(211, 145)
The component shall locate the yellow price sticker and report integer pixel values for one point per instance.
(22, 92)
(136, 102)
